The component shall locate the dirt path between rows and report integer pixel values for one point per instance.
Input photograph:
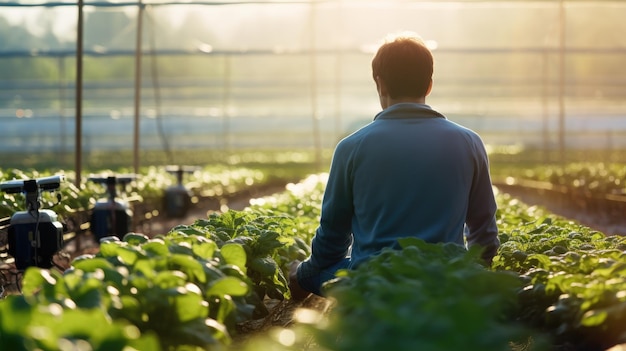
(609, 224)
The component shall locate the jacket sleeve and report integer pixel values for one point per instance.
(481, 214)
(333, 237)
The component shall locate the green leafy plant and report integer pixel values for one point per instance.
(29, 325)
(423, 297)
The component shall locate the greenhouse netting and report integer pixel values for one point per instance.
(296, 74)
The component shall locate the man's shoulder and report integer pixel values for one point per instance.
(461, 128)
(358, 134)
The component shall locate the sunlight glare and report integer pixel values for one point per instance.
(286, 337)
(307, 316)
(205, 48)
(432, 45)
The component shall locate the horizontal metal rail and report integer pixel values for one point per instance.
(306, 52)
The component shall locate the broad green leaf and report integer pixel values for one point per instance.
(228, 286)
(266, 266)
(205, 249)
(539, 260)
(190, 304)
(88, 292)
(186, 230)
(73, 278)
(207, 334)
(234, 254)
(155, 247)
(129, 308)
(129, 254)
(147, 267)
(539, 229)
(211, 271)
(267, 242)
(139, 283)
(271, 276)
(170, 279)
(593, 318)
(90, 265)
(15, 314)
(619, 269)
(188, 265)
(181, 248)
(144, 341)
(42, 281)
(223, 307)
(135, 238)
(109, 249)
(234, 271)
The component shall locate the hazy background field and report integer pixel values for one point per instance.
(297, 75)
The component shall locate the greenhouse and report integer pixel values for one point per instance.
(164, 168)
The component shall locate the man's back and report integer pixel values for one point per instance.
(412, 173)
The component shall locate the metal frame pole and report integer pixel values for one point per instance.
(79, 92)
(137, 88)
(313, 74)
(562, 37)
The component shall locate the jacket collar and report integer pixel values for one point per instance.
(406, 110)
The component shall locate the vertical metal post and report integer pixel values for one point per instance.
(544, 103)
(137, 87)
(338, 70)
(226, 104)
(562, 37)
(63, 132)
(79, 92)
(313, 91)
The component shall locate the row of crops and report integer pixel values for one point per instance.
(147, 187)
(592, 186)
(593, 192)
(597, 177)
(554, 285)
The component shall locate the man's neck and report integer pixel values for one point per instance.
(420, 100)
(392, 101)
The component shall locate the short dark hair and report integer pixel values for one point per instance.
(405, 64)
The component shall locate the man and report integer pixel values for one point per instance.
(409, 173)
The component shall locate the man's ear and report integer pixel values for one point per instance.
(380, 86)
(430, 88)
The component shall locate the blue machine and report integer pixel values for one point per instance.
(177, 199)
(111, 216)
(35, 235)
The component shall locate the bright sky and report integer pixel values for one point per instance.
(64, 19)
(350, 21)
(226, 18)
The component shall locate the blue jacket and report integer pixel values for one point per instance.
(409, 173)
